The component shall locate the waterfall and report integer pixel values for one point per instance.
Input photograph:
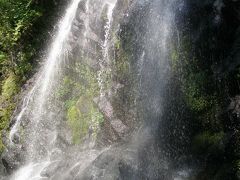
(68, 125)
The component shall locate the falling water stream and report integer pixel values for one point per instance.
(44, 83)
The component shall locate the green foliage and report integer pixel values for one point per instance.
(193, 87)
(202, 101)
(20, 33)
(196, 82)
(17, 17)
(209, 143)
(24, 66)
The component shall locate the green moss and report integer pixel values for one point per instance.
(174, 59)
(78, 89)
(5, 114)
(77, 123)
(198, 103)
(87, 81)
(122, 62)
(65, 88)
(10, 87)
(196, 83)
(82, 115)
(195, 90)
(72, 114)
(208, 143)
(117, 43)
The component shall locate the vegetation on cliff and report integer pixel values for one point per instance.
(24, 25)
(205, 61)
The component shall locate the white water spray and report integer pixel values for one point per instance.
(39, 95)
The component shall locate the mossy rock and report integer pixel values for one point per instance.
(83, 118)
(78, 124)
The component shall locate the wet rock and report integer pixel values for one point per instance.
(112, 164)
(119, 127)
(16, 138)
(82, 6)
(3, 171)
(234, 106)
(106, 107)
(121, 10)
(62, 141)
(50, 170)
(11, 156)
(11, 159)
